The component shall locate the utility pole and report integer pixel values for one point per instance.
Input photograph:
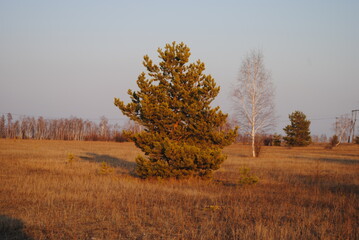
(354, 119)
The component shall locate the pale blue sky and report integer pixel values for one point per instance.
(63, 58)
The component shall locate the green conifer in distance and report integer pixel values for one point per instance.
(298, 133)
(181, 136)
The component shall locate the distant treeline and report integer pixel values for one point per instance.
(62, 129)
(85, 130)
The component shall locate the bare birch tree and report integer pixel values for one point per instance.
(253, 95)
(2, 127)
(9, 126)
(61, 129)
(343, 126)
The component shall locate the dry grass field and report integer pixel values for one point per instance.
(62, 190)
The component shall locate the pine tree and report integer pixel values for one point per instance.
(181, 134)
(298, 133)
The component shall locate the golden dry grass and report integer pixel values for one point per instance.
(303, 193)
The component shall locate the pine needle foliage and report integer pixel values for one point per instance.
(298, 133)
(173, 104)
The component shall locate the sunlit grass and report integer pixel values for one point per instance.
(302, 193)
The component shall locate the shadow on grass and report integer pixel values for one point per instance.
(348, 155)
(110, 160)
(341, 161)
(11, 228)
(345, 188)
(326, 183)
(331, 160)
(241, 155)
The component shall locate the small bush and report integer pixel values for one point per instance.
(70, 158)
(258, 145)
(334, 141)
(268, 141)
(105, 169)
(277, 140)
(246, 178)
(120, 137)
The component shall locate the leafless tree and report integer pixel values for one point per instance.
(9, 126)
(105, 128)
(41, 128)
(2, 127)
(16, 129)
(315, 138)
(343, 126)
(61, 129)
(323, 138)
(24, 128)
(253, 95)
(133, 127)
